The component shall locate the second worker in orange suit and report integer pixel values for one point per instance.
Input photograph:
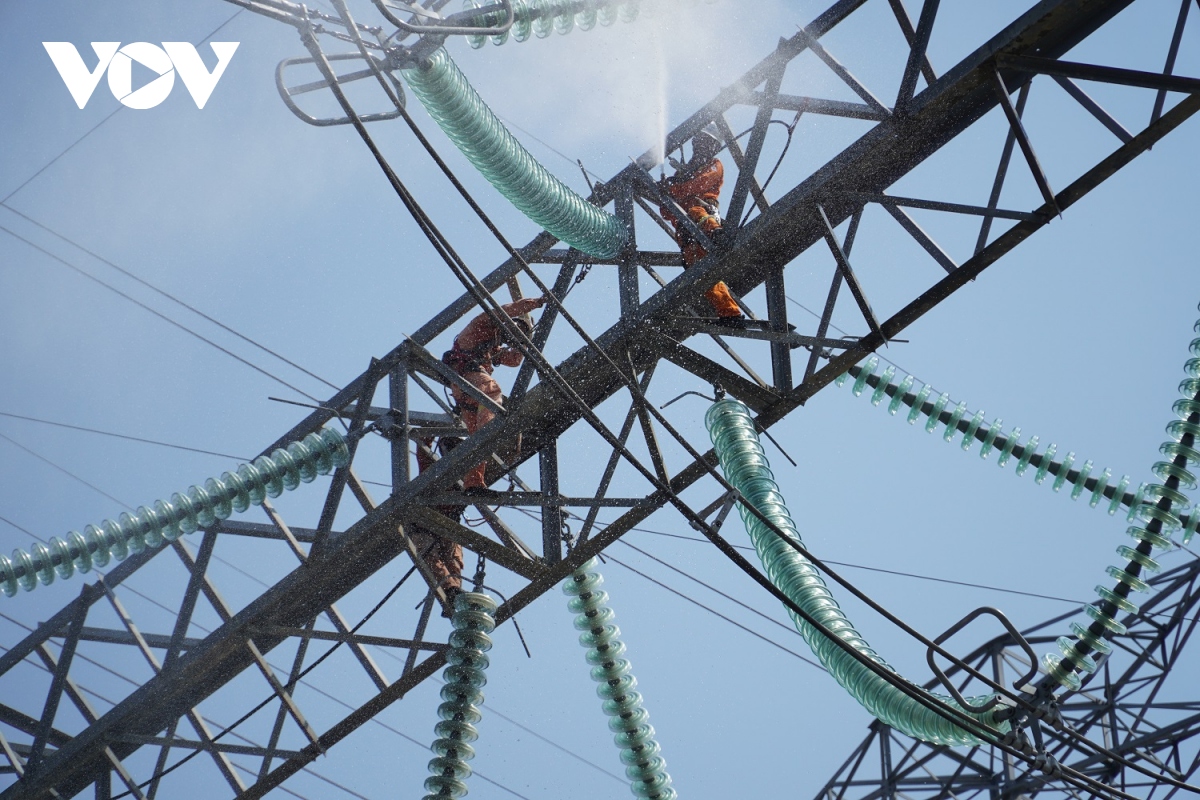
(477, 349)
(443, 557)
(696, 187)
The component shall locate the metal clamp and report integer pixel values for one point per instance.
(287, 93)
(958, 626)
(448, 24)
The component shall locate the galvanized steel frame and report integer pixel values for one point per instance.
(645, 332)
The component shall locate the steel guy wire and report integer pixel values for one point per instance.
(23, 530)
(170, 297)
(156, 313)
(886, 571)
(63, 470)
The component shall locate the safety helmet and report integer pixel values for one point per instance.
(710, 136)
(524, 325)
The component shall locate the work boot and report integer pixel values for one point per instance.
(451, 593)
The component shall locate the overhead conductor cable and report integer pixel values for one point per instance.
(745, 465)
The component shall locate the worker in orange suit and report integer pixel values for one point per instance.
(477, 350)
(443, 557)
(696, 187)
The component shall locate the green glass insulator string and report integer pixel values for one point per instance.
(475, 130)
(745, 465)
(628, 719)
(1157, 518)
(542, 17)
(473, 619)
(957, 419)
(149, 527)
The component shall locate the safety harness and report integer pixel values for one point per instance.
(477, 359)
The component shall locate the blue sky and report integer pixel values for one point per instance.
(290, 234)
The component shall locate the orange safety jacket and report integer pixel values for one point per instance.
(698, 192)
(479, 346)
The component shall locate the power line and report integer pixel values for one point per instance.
(121, 436)
(22, 530)
(711, 588)
(132, 682)
(170, 296)
(886, 571)
(156, 313)
(694, 601)
(714, 612)
(93, 129)
(63, 470)
(259, 581)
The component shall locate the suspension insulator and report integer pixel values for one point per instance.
(973, 428)
(628, 719)
(462, 695)
(541, 17)
(475, 130)
(149, 527)
(745, 465)
(1157, 512)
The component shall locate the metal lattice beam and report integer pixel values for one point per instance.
(646, 331)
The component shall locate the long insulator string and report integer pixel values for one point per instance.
(745, 465)
(629, 720)
(956, 419)
(149, 527)
(476, 130)
(1158, 518)
(462, 694)
(542, 17)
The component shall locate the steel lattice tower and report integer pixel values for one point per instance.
(333, 561)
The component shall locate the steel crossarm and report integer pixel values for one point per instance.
(1113, 707)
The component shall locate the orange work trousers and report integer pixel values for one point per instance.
(475, 416)
(718, 296)
(443, 557)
